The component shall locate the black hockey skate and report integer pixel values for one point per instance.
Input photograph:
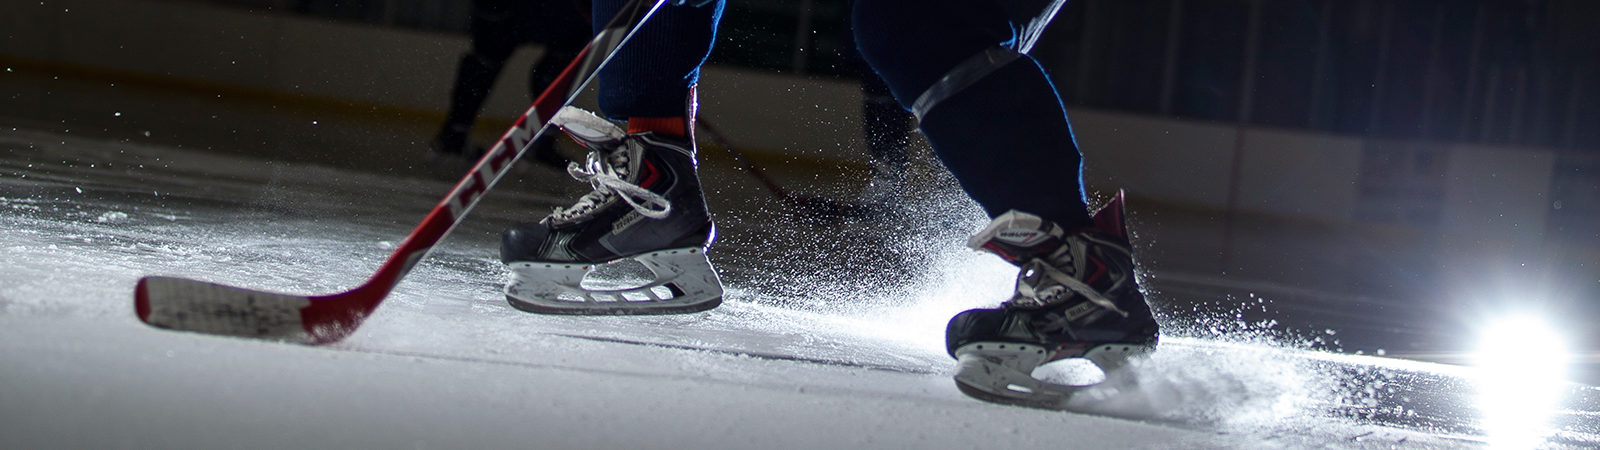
(1076, 297)
(647, 206)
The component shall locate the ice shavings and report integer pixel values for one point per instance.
(112, 217)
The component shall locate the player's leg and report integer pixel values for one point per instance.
(992, 113)
(996, 121)
(492, 42)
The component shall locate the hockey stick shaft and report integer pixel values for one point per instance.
(497, 161)
(190, 305)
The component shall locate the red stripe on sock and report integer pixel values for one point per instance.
(675, 126)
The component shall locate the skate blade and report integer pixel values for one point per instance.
(1004, 375)
(1003, 372)
(683, 282)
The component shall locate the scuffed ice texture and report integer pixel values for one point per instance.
(830, 336)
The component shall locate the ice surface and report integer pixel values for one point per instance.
(831, 339)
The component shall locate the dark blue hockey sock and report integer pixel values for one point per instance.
(1005, 136)
(651, 75)
(1007, 141)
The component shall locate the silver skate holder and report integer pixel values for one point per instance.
(1002, 372)
(682, 282)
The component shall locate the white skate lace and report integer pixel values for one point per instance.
(603, 174)
(1031, 297)
(1038, 300)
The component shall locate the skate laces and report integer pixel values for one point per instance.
(1046, 255)
(607, 174)
(1034, 290)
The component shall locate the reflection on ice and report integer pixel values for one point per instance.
(1521, 365)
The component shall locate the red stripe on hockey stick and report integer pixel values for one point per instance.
(198, 306)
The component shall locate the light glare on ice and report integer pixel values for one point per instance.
(1522, 373)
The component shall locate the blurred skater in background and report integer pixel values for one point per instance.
(498, 28)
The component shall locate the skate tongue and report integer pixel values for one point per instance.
(589, 129)
(1017, 237)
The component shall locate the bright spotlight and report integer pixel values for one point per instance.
(1521, 363)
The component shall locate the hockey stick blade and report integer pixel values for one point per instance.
(210, 308)
(198, 306)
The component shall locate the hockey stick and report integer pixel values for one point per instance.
(197, 306)
(816, 205)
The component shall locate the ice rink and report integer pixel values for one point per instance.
(1380, 233)
(831, 335)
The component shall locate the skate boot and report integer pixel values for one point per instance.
(646, 206)
(1076, 297)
